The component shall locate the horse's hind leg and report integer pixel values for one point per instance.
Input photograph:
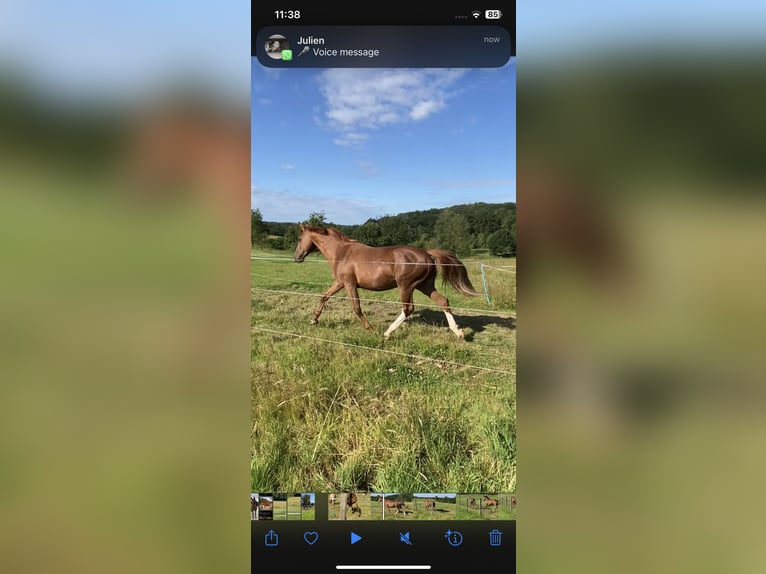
(334, 288)
(407, 308)
(443, 302)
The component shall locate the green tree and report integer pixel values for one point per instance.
(501, 243)
(317, 219)
(513, 235)
(290, 238)
(509, 221)
(394, 230)
(452, 232)
(369, 233)
(257, 228)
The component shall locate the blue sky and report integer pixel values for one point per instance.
(362, 143)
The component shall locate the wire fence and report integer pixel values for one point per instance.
(389, 351)
(482, 265)
(385, 302)
(498, 268)
(374, 262)
(422, 358)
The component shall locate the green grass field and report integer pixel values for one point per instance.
(334, 407)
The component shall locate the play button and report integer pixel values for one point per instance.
(355, 538)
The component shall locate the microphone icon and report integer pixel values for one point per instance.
(305, 49)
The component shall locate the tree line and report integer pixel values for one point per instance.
(464, 229)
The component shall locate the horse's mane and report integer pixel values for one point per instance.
(337, 234)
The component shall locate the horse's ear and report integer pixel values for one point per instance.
(301, 227)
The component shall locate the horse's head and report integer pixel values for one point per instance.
(306, 244)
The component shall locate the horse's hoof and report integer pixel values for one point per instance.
(460, 334)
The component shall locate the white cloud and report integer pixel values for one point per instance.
(287, 166)
(350, 139)
(422, 110)
(292, 206)
(358, 100)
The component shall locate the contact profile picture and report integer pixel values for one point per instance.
(278, 47)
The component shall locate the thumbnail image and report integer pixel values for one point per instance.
(486, 506)
(261, 506)
(413, 506)
(391, 505)
(349, 506)
(435, 506)
(294, 506)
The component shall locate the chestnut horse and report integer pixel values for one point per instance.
(491, 502)
(352, 503)
(397, 505)
(359, 266)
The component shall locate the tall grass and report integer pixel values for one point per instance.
(336, 408)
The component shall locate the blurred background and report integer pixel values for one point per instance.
(124, 300)
(124, 190)
(641, 236)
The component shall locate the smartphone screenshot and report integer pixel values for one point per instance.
(383, 288)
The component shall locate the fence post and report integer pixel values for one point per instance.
(484, 281)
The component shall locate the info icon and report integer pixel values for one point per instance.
(454, 537)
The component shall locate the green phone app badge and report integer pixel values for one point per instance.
(287, 55)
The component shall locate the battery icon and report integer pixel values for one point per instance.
(495, 537)
(493, 14)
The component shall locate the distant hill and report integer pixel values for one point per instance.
(461, 228)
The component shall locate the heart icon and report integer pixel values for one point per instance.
(311, 537)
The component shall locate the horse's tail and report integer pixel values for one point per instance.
(453, 271)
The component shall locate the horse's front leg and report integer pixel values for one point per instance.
(356, 304)
(334, 288)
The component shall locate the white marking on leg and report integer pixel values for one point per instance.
(399, 320)
(453, 325)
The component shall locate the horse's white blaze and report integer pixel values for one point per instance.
(395, 325)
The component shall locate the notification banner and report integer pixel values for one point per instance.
(377, 47)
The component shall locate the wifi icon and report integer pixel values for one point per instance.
(476, 14)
